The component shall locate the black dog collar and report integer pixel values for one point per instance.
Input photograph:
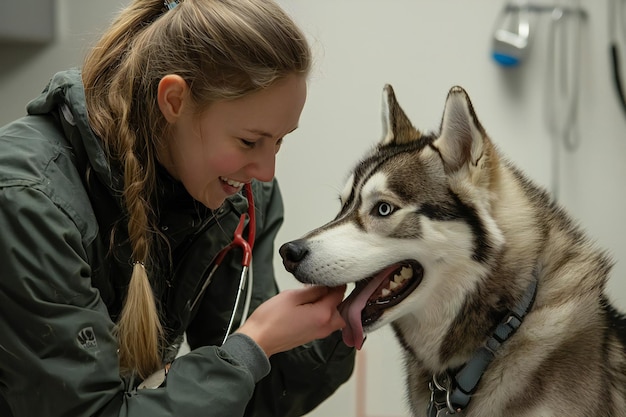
(450, 394)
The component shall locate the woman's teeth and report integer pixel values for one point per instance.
(232, 183)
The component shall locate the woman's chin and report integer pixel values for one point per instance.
(214, 203)
(215, 198)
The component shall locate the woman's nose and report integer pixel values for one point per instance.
(263, 167)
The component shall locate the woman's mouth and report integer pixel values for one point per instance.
(235, 186)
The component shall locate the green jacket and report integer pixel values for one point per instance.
(61, 286)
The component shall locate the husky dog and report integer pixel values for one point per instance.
(495, 295)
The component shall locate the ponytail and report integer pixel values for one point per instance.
(139, 330)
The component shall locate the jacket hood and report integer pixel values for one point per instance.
(65, 95)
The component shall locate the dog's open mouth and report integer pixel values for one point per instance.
(372, 296)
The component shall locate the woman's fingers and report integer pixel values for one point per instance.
(315, 293)
(294, 317)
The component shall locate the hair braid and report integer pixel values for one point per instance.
(139, 328)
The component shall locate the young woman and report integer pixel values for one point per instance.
(118, 190)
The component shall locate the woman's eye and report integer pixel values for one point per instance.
(247, 143)
(383, 209)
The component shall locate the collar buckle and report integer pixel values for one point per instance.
(440, 397)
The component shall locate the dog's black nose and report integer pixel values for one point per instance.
(293, 253)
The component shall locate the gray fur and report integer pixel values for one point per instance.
(479, 228)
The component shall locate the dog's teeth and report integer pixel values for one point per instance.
(406, 272)
(398, 279)
(393, 285)
(385, 292)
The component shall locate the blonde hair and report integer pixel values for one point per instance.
(223, 49)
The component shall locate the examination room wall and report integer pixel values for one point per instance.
(422, 48)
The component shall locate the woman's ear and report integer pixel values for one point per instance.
(171, 95)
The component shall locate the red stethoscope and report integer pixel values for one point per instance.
(155, 380)
(245, 279)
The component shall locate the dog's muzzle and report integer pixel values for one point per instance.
(372, 295)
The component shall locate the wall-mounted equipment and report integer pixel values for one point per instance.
(512, 35)
(517, 23)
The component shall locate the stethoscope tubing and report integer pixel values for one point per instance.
(243, 279)
(246, 278)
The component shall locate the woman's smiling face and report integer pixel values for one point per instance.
(230, 143)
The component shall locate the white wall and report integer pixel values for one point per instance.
(421, 47)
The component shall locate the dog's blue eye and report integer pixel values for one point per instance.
(384, 209)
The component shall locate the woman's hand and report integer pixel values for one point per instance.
(295, 317)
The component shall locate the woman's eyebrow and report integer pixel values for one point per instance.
(266, 134)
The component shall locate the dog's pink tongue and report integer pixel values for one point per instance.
(351, 308)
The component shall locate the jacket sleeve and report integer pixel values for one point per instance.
(58, 355)
(302, 378)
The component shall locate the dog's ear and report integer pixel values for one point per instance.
(397, 128)
(462, 139)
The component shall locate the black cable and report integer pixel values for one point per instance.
(615, 58)
(617, 77)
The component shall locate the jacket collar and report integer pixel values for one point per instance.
(65, 94)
